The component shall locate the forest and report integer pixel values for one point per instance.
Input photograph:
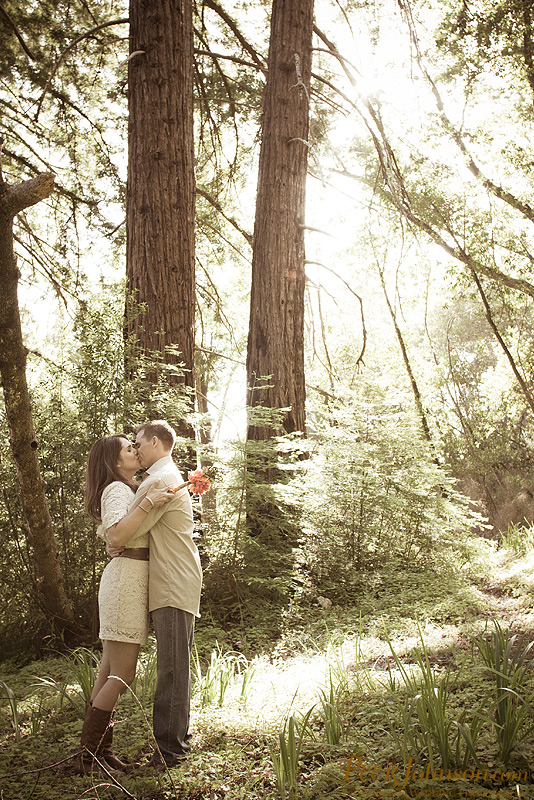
(301, 233)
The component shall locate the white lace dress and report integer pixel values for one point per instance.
(123, 593)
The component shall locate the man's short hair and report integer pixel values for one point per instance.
(159, 428)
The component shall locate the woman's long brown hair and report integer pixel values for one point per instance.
(102, 470)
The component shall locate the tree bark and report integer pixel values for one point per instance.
(528, 44)
(160, 203)
(23, 441)
(276, 330)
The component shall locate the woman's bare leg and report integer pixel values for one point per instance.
(103, 674)
(118, 659)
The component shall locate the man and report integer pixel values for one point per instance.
(175, 581)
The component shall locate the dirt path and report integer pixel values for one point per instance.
(509, 592)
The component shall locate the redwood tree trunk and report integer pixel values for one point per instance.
(276, 330)
(23, 441)
(160, 202)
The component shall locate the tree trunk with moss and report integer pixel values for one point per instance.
(23, 441)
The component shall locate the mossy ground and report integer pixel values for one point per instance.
(344, 647)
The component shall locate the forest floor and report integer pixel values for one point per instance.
(328, 709)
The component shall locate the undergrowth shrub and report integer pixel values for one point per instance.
(375, 496)
(421, 719)
(510, 703)
(518, 538)
(250, 573)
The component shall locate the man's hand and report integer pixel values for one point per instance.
(159, 497)
(113, 551)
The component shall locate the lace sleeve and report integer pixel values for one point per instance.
(115, 503)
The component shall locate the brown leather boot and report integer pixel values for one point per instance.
(106, 753)
(94, 729)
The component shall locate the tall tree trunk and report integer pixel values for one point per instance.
(23, 441)
(528, 44)
(276, 330)
(160, 203)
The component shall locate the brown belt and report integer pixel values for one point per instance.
(139, 553)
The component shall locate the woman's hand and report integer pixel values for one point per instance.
(113, 552)
(159, 497)
(123, 530)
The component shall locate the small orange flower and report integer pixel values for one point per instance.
(198, 482)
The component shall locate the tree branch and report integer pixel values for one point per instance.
(60, 189)
(528, 47)
(458, 252)
(224, 79)
(2, 181)
(32, 258)
(69, 47)
(225, 239)
(502, 194)
(407, 363)
(219, 355)
(16, 134)
(321, 391)
(388, 163)
(526, 391)
(16, 198)
(213, 128)
(258, 60)
(236, 60)
(218, 207)
(362, 315)
(330, 368)
(18, 34)
(335, 52)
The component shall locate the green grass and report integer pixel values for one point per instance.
(391, 681)
(510, 703)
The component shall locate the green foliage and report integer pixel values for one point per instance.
(145, 681)
(252, 541)
(53, 688)
(76, 682)
(329, 711)
(246, 683)
(95, 385)
(247, 752)
(338, 671)
(375, 496)
(13, 707)
(286, 762)
(38, 715)
(428, 733)
(518, 539)
(273, 496)
(212, 685)
(506, 657)
(64, 132)
(370, 501)
(83, 670)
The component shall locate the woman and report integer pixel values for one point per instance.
(123, 593)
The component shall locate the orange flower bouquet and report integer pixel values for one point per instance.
(196, 482)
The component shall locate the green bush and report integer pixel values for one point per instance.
(375, 496)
